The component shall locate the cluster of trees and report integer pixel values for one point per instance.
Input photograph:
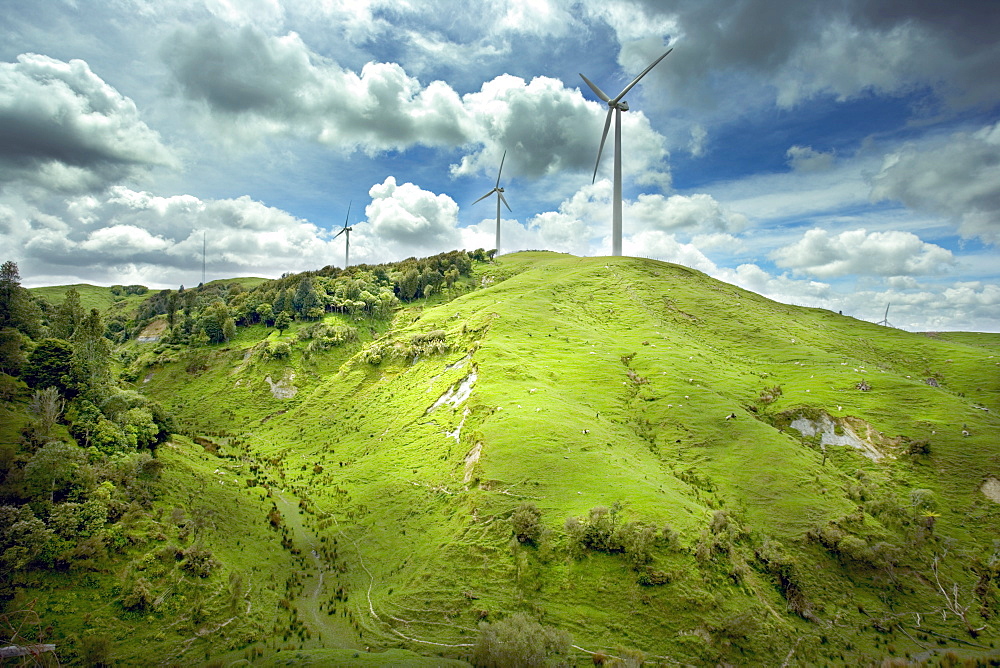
(84, 455)
(602, 531)
(125, 290)
(212, 313)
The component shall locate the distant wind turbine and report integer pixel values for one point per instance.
(499, 191)
(346, 231)
(616, 105)
(885, 318)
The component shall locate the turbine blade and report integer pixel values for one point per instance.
(597, 91)
(504, 199)
(644, 73)
(604, 137)
(339, 233)
(348, 213)
(501, 168)
(484, 196)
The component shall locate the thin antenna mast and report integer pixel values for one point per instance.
(204, 246)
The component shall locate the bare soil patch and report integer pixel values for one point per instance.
(991, 489)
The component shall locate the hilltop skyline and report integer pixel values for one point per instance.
(841, 155)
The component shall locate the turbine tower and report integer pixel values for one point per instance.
(616, 105)
(346, 231)
(499, 191)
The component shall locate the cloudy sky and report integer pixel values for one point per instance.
(842, 154)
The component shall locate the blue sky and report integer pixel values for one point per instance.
(843, 154)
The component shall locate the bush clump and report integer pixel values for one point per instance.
(527, 524)
(601, 531)
(198, 561)
(519, 640)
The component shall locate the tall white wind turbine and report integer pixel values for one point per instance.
(346, 231)
(617, 106)
(499, 191)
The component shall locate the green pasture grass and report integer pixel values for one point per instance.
(91, 296)
(604, 380)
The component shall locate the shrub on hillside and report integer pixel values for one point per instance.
(785, 570)
(519, 640)
(139, 596)
(526, 522)
(602, 532)
(323, 336)
(198, 561)
(375, 353)
(279, 350)
(769, 394)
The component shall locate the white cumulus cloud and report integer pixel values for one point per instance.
(410, 220)
(958, 177)
(860, 252)
(64, 128)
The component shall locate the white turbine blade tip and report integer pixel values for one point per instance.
(597, 91)
(644, 73)
(504, 200)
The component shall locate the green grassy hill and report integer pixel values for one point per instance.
(664, 466)
(668, 397)
(104, 298)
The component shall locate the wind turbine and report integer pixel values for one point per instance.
(499, 191)
(885, 319)
(617, 106)
(346, 231)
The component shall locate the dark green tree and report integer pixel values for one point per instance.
(409, 284)
(23, 537)
(50, 364)
(91, 350)
(17, 309)
(526, 522)
(282, 303)
(217, 323)
(55, 471)
(282, 321)
(173, 305)
(83, 417)
(68, 316)
(11, 296)
(306, 297)
(11, 351)
(265, 313)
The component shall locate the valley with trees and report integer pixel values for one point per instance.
(536, 459)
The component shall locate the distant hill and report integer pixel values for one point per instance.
(104, 297)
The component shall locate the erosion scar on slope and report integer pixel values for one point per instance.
(470, 461)
(991, 488)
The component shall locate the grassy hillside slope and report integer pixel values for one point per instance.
(667, 399)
